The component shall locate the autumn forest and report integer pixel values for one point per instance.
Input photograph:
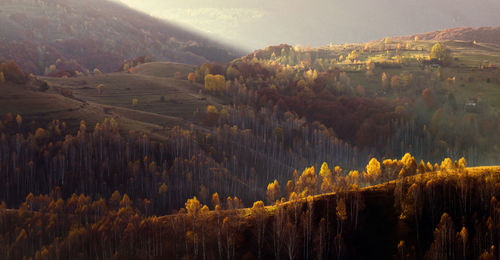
(126, 137)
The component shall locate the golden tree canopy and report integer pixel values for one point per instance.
(193, 206)
(273, 191)
(441, 53)
(215, 83)
(307, 183)
(325, 171)
(373, 169)
(215, 200)
(258, 205)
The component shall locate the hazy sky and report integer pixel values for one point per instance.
(254, 24)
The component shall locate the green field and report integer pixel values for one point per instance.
(471, 81)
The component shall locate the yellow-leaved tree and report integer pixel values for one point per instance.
(325, 173)
(441, 53)
(307, 184)
(215, 84)
(193, 207)
(273, 192)
(216, 200)
(373, 171)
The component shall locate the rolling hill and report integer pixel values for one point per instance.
(260, 23)
(280, 79)
(154, 85)
(449, 213)
(154, 148)
(155, 97)
(164, 100)
(469, 34)
(82, 36)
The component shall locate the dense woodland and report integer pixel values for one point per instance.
(412, 111)
(97, 191)
(101, 161)
(76, 206)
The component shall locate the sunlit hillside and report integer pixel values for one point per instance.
(124, 137)
(49, 36)
(469, 34)
(449, 212)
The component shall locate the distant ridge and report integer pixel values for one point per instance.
(480, 34)
(83, 35)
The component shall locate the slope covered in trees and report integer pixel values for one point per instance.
(47, 36)
(265, 115)
(428, 98)
(380, 99)
(203, 143)
(450, 212)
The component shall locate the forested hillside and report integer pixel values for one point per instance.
(49, 36)
(387, 98)
(440, 212)
(260, 117)
(120, 165)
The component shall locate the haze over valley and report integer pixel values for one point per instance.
(258, 24)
